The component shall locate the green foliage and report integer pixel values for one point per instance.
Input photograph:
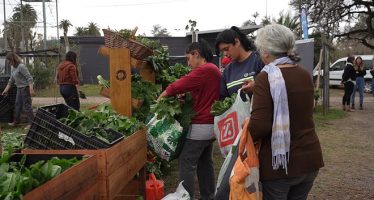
(152, 44)
(95, 122)
(12, 140)
(219, 107)
(160, 59)
(16, 179)
(172, 73)
(42, 73)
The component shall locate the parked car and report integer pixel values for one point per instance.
(337, 68)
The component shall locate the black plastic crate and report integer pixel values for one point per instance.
(4, 104)
(6, 117)
(47, 132)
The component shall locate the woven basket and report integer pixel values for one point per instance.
(115, 40)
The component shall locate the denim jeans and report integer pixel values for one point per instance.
(71, 96)
(360, 85)
(23, 100)
(289, 188)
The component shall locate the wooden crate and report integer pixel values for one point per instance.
(79, 182)
(117, 165)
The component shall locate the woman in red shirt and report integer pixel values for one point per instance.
(204, 83)
(67, 78)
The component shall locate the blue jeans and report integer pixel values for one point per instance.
(70, 94)
(360, 84)
(23, 100)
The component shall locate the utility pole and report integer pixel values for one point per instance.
(22, 46)
(58, 34)
(45, 27)
(301, 23)
(5, 26)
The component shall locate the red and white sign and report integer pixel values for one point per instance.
(229, 129)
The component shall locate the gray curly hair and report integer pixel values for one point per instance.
(277, 40)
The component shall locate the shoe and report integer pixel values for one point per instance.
(361, 108)
(344, 108)
(27, 127)
(353, 106)
(12, 124)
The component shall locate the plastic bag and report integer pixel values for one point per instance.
(245, 176)
(228, 125)
(180, 194)
(164, 138)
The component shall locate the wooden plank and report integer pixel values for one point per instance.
(113, 177)
(120, 80)
(118, 180)
(119, 155)
(69, 184)
(147, 72)
(89, 194)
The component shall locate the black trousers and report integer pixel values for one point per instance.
(23, 101)
(71, 96)
(348, 89)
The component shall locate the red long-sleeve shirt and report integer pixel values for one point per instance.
(204, 84)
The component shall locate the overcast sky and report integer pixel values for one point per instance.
(171, 14)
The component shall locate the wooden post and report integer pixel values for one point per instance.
(120, 78)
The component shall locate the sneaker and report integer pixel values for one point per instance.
(27, 127)
(12, 124)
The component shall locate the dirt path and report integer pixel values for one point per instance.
(40, 101)
(348, 149)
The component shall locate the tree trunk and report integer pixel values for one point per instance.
(67, 46)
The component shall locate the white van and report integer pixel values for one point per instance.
(337, 69)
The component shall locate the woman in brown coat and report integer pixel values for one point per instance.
(282, 118)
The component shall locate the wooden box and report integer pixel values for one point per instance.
(117, 165)
(79, 182)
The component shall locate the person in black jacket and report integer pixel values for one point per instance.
(348, 78)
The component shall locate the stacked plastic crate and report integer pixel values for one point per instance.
(7, 101)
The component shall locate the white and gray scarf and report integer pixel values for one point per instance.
(280, 138)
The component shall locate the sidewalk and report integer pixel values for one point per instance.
(41, 101)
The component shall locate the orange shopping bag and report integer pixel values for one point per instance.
(245, 176)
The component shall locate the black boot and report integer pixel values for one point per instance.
(361, 108)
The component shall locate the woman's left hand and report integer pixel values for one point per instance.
(247, 86)
(32, 92)
(163, 94)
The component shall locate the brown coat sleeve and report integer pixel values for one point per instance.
(262, 108)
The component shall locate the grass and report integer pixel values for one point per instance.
(88, 89)
(332, 114)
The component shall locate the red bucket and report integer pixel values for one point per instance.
(154, 188)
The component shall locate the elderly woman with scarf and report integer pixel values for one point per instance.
(282, 118)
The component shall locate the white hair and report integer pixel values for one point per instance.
(276, 39)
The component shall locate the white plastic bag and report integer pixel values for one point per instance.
(228, 125)
(180, 194)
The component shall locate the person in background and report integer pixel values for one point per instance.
(244, 66)
(245, 61)
(21, 77)
(282, 118)
(225, 61)
(348, 78)
(360, 82)
(68, 80)
(197, 153)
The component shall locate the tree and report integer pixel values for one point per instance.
(250, 22)
(356, 16)
(292, 22)
(80, 31)
(93, 29)
(64, 25)
(191, 26)
(159, 31)
(14, 26)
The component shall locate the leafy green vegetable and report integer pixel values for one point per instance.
(173, 73)
(219, 107)
(12, 139)
(96, 122)
(103, 82)
(16, 179)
